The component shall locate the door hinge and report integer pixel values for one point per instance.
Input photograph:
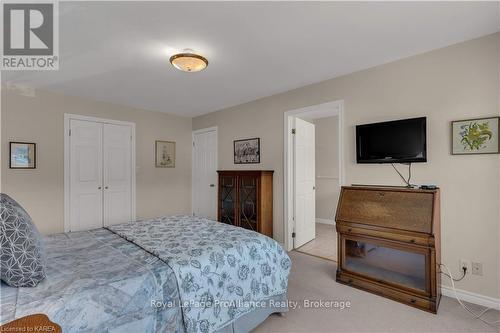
(293, 234)
(70, 132)
(293, 131)
(193, 143)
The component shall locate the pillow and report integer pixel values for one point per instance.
(21, 255)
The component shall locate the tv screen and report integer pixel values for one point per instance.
(399, 141)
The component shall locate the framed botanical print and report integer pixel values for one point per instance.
(247, 151)
(475, 136)
(165, 154)
(22, 155)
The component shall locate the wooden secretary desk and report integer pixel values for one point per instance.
(389, 243)
(245, 199)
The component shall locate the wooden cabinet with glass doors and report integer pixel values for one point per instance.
(245, 199)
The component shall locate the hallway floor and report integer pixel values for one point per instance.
(325, 243)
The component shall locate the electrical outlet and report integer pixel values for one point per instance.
(477, 268)
(464, 263)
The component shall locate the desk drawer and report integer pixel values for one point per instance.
(423, 303)
(417, 239)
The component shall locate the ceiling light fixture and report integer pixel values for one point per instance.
(188, 61)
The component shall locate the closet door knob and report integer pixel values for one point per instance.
(105, 187)
(99, 188)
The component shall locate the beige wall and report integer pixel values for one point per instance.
(41, 120)
(457, 82)
(327, 166)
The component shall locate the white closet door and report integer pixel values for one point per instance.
(117, 145)
(305, 196)
(85, 175)
(205, 174)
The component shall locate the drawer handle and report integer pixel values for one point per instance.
(413, 301)
(381, 194)
(412, 240)
(349, 281)
(349, 230)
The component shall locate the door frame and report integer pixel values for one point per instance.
(288, 163)
(195, 132)
(67, 118)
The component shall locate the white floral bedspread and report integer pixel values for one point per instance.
(222, 271)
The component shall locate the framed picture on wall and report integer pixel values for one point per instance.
(247, 151)
(22, 155)
(475, 136)
(165, 154)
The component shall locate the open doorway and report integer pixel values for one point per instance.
(313, 176)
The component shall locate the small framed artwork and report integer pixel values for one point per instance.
(247, 151)
(165, 154)
(475, 136)
(22, 155)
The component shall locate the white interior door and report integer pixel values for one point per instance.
(205, 174)
(304, 184)
(86, 195)
(117, 149)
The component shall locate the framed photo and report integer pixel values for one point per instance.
(247, 151)
(22, 155)
(475, 136)
(165, 154)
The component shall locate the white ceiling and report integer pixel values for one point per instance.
(118, 51)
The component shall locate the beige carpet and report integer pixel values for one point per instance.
(325, 243)
(314, 279)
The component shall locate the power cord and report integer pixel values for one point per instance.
(476, 315)
(407, 181)
(464, 269)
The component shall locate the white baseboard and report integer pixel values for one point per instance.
(325, 221)
(471, 297)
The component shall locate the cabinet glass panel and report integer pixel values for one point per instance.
(387, 264)
(228, 200)
(248, 203)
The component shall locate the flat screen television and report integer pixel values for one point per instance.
(399, 141)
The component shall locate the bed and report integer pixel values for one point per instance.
(169, 274)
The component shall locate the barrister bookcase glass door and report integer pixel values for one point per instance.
(379, 261)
